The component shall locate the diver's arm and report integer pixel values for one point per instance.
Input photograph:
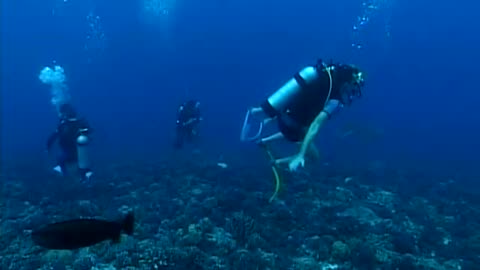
(193, 121)
(312, 132)
(189, 122)
(83, 126)
(51, 140)
(332, 106)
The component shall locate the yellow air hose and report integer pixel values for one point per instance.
(275, 173)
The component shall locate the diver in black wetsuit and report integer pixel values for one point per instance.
(188, 119)
(72, 136)
(303, 105)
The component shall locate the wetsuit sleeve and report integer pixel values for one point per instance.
(51, 140)
(84, 127)
(194, 117)
(332, 107)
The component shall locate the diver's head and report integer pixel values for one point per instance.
(66, 112)
(351, 80)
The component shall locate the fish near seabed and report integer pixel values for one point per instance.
(79, 233)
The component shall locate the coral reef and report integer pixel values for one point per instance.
(201, 216)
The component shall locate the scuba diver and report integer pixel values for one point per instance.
(188, 119)
(304, 104)
(72, 135)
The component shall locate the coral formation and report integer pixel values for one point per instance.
(205, 218)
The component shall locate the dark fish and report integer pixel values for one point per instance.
(78, 233)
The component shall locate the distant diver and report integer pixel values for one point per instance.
(302, 106)
(187, 124)
(72, 135)
(79, 233)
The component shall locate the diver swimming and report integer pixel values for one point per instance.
(303, 105)
(187, 123)
(72, 133)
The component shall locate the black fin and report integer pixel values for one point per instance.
(128, 223)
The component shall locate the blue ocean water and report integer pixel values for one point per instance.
(129, 64)
(420, 59)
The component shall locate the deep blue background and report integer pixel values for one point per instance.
(422, 88)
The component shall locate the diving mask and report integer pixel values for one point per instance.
(359, 79)
(352, 89)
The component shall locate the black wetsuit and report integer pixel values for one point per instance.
(66, 134)
(297, 118)
(188, 119)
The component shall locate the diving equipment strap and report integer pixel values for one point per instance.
(246, 129)
(301, 81)
(329, 72)
(328, 69)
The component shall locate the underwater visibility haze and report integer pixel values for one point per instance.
(151, 108)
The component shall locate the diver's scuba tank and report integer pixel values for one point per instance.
(82, 152)
(281, 99)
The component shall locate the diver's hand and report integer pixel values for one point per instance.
(297, 161)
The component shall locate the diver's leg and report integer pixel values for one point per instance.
(284, 160)
(259, 110)
(267, 120)
(193, 136)
(189, 134)
(273, 137)
(179, 138)
(255, 110)
(62, 161)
